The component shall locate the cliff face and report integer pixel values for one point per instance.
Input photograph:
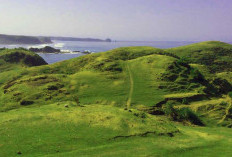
(16, 39)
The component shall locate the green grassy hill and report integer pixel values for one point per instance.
(217, 56)
(130, 101)
(18, 58)
(139, 76)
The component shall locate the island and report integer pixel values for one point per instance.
(80, 39)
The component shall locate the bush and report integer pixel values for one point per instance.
(185, 101)
(196, 75)
(230, 111)
(168, 108)
(223, 103)
(170, 111)
(26, 102)
(183, 114)
(140, 115)
(230, 94)
(183, 61)
(189, 115)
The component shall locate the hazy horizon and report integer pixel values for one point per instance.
(127, 20)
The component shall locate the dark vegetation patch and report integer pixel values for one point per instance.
(181, 77)
(21, 56)
(217, 56)
(230, 94)
(182, 114)
(41, 80)
(184, 78)
(32, 81)
(222, 85)
(145, 134)
(26, 102)
(56, 86)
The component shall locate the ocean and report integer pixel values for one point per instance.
(99, 47)
(95, 47)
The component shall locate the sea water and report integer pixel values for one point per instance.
(70, 46)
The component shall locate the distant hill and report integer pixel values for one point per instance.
(80, 39)
(18, 39)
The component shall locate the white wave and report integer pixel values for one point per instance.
(12, 45)
(59, 45)
(38, 46)
(66, 51)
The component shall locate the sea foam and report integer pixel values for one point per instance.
(38, 46)
(59, 45)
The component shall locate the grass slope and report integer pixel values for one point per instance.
(217, 56)
(96, 130)
(55, 129)
(115, 77)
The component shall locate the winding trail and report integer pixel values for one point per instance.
(131, 87)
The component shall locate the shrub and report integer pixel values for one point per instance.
(169, 110)
(183, 61)
(223, 103)
(26, 102)
(189, 115)
(140, 115)
(185, 101)
(196, 75)
(230, 94)
(183, 114)
(230, 111)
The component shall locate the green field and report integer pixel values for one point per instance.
(130, 101)
(55, 130)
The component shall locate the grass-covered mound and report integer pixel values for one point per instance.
(214, 60)
(12, 58)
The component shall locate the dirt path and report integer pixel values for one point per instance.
(131, 87)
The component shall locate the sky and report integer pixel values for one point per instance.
(134, 20)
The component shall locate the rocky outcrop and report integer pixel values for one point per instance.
(46, 49)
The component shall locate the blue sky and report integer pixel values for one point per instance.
(136, 20)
